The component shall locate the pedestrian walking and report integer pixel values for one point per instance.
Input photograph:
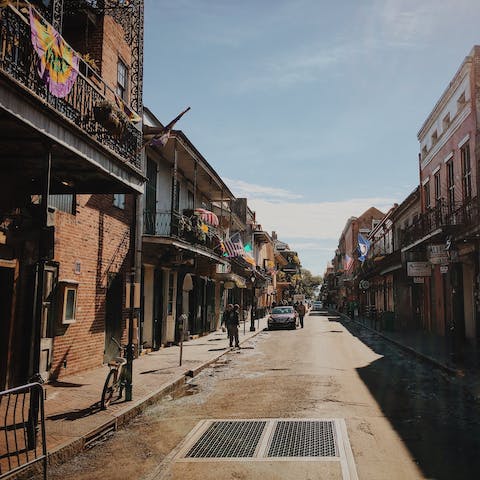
(231, 321)
(301, 310)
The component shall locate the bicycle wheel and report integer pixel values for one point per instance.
(109, 388)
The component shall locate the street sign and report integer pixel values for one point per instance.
(437, 254)
(419, 269)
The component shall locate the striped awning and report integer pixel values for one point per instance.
(207, 216)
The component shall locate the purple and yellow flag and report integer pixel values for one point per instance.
(58, 63)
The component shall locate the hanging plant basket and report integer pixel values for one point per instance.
(110, 117)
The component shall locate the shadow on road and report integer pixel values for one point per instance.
(436, 419)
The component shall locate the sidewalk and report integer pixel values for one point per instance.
(435, 350)
(73, 416)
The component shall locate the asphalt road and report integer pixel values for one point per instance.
(404, 419)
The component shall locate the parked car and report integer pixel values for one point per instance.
(317, 306)
(282, 317)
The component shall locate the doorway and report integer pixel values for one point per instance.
(113, 316)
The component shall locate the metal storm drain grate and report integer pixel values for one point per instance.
(228, 439)
(271, 440)
(299, 438)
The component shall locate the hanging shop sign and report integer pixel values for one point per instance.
(444, 269)
(437, 254)
(418, 279)
(364, 284)
(419, 269)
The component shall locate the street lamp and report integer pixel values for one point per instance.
(252, 313)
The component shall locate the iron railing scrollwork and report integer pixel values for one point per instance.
(446, 215)
(175, 225)
(19, 61)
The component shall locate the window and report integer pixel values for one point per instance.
(466, 171)
(190, 200)
(424, 151)
(122, 75)
(119, 200)
(69, 304)
(63, 202)
(461, 101)
(446, 121)
(434, 137)
(171, 293)
(426, 194)
(438, 191)
(450, 185)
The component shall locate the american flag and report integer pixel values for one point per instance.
(234, 248)
(348, 263)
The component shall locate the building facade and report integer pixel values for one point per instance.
(70, 172)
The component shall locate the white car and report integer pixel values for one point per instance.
(317, 306)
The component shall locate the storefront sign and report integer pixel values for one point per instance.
(437, 254)
(419, 269)
(418, 279)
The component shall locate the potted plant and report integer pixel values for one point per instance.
(110, 117)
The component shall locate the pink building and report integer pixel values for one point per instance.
(446, 234)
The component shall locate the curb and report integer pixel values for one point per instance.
(65, 452)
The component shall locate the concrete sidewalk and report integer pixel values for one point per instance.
(72, 408)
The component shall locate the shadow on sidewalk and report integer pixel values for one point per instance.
(77, 414)
(60, 384)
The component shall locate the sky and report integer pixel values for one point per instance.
(309, 108)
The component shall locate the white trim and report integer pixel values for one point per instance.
(426, 181)
(464, 140)
(448, 157)
(454, 126)
(436, 170)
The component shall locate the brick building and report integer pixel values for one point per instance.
(70, 174)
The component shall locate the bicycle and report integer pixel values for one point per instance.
(115, 380)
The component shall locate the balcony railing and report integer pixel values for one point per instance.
(186, 228)
(19, 62)
(443, 215)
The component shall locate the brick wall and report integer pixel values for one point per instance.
(114, 47)
(98, 238)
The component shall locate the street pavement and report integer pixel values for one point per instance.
(310, 373)
(404, 419)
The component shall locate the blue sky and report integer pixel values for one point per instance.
(310, 108)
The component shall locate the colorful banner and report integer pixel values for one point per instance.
(58, 63)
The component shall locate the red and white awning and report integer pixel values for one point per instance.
(207, 216)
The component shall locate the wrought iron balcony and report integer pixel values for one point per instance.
(187, 228)
(18, 63)
(442, 217)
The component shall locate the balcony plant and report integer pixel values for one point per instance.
(110, 117)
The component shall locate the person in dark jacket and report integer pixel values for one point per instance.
(301, 310)
(231, 321)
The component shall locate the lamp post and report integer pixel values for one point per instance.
(252, 313)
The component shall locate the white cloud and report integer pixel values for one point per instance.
(312, 220)
(252, 190)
